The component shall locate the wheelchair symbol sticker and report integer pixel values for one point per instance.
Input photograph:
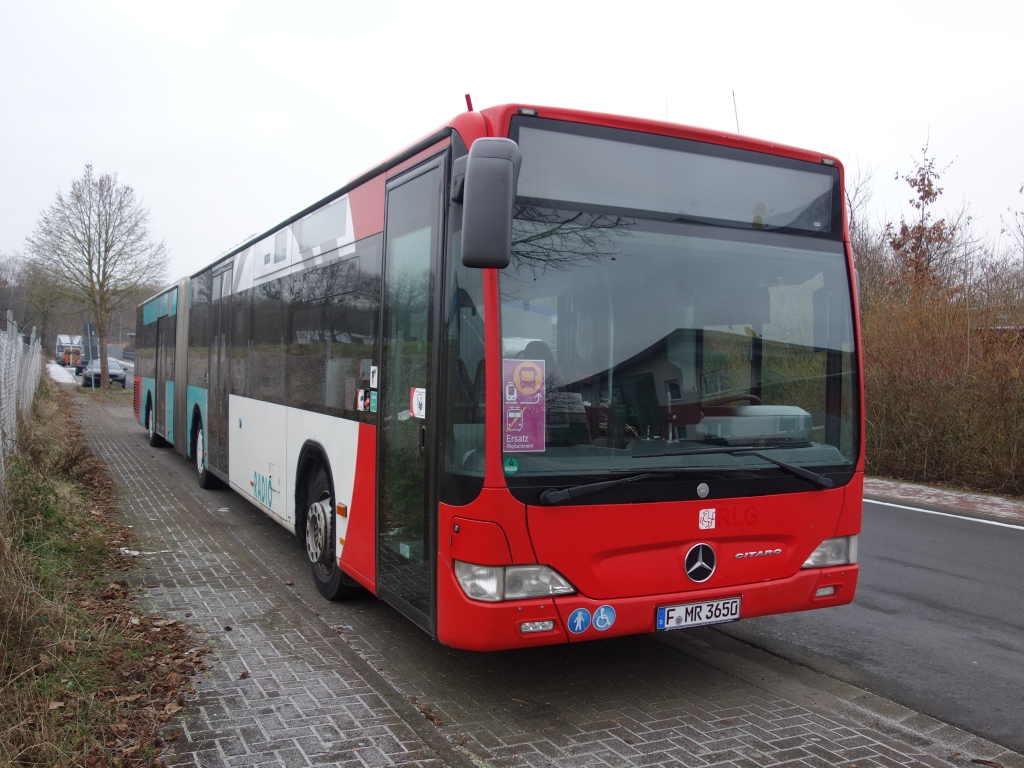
(579, 620)
(604, 617)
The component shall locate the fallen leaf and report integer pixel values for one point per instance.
(56, 705)
(990, 763)
(243, 675)
(288, 583)
(123, 699)
(173, 736)
(171, 709)
(227, 628)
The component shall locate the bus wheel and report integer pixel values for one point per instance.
(155, 440)
(206, 480)
(320, 534)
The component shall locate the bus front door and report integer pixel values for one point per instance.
(406, 506)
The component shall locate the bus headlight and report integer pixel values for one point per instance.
(840, 551)
(512, 582)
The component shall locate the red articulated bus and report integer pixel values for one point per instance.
(545, 376)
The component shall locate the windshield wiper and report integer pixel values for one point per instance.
(706, 449)
(555, 495)
(818, 481)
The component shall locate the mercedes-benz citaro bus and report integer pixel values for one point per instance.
(544, 376)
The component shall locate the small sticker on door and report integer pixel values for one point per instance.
(418, 402)
(373, 377)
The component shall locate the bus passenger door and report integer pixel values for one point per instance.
(220, 326)
(406, 500)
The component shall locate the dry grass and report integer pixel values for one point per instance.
(944, 385)
(84, 678)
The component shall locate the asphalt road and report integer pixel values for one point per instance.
(937, 624)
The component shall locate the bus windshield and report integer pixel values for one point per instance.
(631, 344)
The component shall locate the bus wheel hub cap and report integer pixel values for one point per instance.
(317, 528)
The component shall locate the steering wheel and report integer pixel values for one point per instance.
(750, 398)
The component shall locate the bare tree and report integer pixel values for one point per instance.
(10, 280)
(93, 246)
(859, 191)
(1014, 226)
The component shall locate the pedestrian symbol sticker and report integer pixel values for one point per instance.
(579, 620)
(604, 617)
(511, 466)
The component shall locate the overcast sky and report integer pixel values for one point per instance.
(227, 117)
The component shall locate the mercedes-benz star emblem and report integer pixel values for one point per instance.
(700, 562)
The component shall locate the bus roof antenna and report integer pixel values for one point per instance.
(469, 103)
(735, 112)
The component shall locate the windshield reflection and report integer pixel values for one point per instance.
(654, 337)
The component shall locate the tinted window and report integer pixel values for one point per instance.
(618, 171)
(199, 331)
(333, 331)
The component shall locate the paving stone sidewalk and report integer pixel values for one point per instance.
(296, 681)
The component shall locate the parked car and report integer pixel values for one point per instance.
(91, 373)
(80, 365)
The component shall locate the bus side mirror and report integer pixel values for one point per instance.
(488, 199)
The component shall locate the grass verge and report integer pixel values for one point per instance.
(85, 678)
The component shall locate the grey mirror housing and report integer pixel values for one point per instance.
(488, 199)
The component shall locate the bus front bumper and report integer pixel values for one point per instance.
(481, 626)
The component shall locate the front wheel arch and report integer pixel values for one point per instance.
(310, 454)
(313, 475)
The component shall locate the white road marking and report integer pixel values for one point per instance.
(946, 514)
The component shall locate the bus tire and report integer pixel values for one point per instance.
(320, 535)
(155, 441)
(203, 475)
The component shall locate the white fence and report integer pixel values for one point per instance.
(20, 362)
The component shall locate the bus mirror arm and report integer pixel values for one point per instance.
(489, 196)
(458, 179)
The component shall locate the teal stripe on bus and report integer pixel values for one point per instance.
(169, 413)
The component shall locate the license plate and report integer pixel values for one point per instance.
(698, 614)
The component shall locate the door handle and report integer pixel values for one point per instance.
(423, 438)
